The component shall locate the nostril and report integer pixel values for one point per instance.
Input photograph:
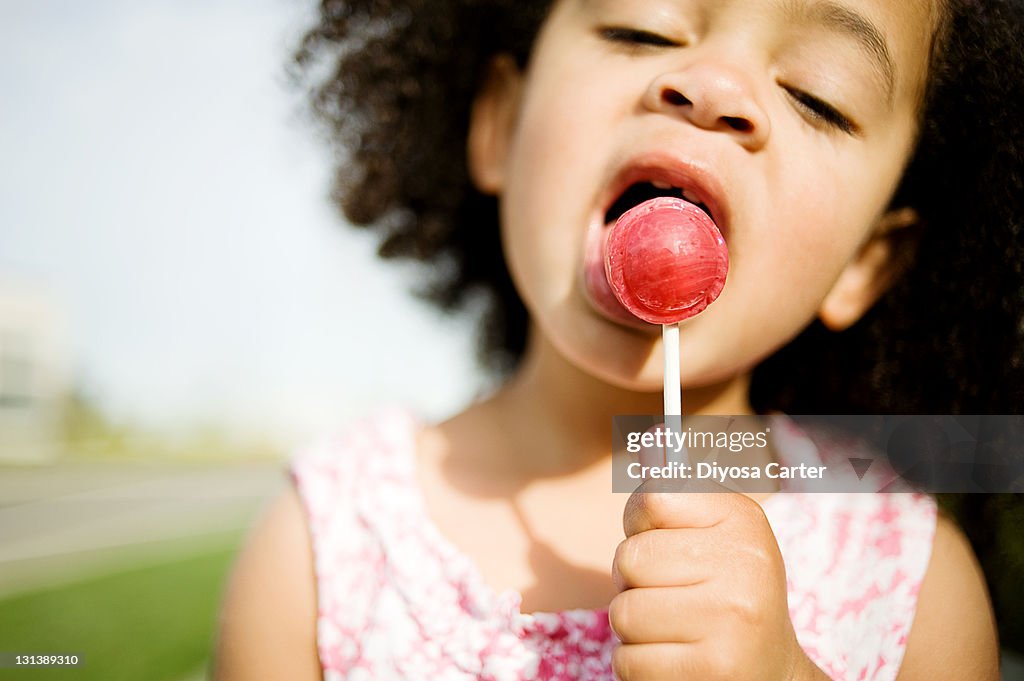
(674, 97)
(738, 124)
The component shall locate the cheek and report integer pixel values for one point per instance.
(548, 201)
(821, 242)
(801, 244)
(789, 261)
(562, 120)
(536, 226)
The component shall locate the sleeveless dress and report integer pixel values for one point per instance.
(397, 600)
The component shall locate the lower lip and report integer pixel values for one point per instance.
(595, 282)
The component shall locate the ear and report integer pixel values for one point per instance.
(491, 124)
(885, 255)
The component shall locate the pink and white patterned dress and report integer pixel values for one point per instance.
(397, 600)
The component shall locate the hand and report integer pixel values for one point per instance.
(702, 591)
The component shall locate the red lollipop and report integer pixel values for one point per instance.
(666, 261)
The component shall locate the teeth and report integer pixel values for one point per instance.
(686, 193)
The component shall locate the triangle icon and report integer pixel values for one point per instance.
(860, 466)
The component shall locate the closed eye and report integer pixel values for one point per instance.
(635, 36)
(823, 112)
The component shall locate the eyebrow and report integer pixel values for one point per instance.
(844, 20)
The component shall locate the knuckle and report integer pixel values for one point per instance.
(722, 662)
(746, 610)
(758, 556)
(758, 553)
(658, 506)
(624, 562)
(632, 556)
(751, 513)
(622, 616)
(624, 663)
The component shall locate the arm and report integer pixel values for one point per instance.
(953, 635)
(268, 622)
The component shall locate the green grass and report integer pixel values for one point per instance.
(153, 623)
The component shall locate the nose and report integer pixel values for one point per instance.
(712, 96)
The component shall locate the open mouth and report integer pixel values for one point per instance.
(638, 192)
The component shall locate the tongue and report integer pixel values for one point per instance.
(665, 260)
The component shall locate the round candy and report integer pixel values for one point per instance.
(666, 260)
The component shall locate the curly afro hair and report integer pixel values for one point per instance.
(396, 98)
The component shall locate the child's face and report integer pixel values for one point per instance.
(792, 119)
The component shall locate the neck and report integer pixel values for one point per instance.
(561, 416)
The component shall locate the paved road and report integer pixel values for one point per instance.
(67, 521)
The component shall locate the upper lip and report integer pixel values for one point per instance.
(666, 167)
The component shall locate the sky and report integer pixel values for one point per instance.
(162, 184)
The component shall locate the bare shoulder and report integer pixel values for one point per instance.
(268, 621)
(954, 634)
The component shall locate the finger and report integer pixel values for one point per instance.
(680, 557)
(655, 662)
(658, 504)
(662, 615)
(689, 614)
(677, 661)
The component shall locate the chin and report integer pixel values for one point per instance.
(620, 356)
(648, 380)
(631, 360)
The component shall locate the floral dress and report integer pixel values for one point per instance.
(397, 600)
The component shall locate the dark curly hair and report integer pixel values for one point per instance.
(393, 80)
(401, 77)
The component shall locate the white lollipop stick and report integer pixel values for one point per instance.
(658, 280)
(673, 391)
(673, 394)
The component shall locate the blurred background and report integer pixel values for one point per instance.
(179, 309)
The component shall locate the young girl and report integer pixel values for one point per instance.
(862, 160)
